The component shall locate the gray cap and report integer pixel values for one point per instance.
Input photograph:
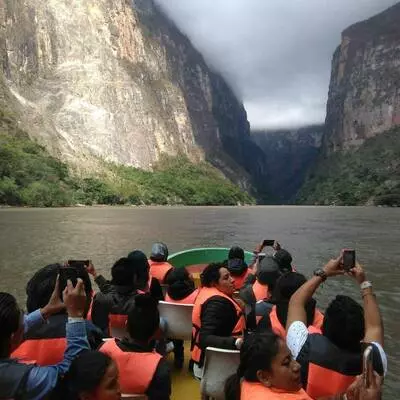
(268, 271)
(159, 252)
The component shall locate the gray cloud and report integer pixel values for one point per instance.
(276, 54)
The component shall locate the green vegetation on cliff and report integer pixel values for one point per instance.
(29, 176)
(368, 175)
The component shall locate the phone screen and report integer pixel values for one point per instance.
(268, 242)
(349, 259)
(85, 262)
(68, 273)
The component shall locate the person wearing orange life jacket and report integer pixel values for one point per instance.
(159, 266)
(141, 369)
(273, 314)
(181, 290)
(237, 266)
(217, 319)
(45, 344)
(266, 371)
(110, 308)
(266, 276)
(335, 356)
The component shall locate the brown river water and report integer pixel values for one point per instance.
(32, 238)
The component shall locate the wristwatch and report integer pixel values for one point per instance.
(365, 285)
(321, 274)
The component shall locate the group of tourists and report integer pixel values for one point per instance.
(79, 343)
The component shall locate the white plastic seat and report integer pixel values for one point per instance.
(219, 365)
(179, 319)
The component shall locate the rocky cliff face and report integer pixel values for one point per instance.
(116, 80)
(364, 95)
(289, 155)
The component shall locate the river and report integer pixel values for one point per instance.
(32, 238)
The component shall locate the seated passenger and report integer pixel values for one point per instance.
(218, 320)
(284, 260)
(274, 314)
(181, 289)
(110, 308)
(92, 376)
(45, 344)
(141, 369)
(237, 266)
(28, 381)
(266, 276)
(335, 356)
(266, 371)
(146, 282)
(159, 266)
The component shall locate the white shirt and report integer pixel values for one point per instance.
(297, 336)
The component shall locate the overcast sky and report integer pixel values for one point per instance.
(276, 54)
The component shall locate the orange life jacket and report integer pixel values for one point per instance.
(42, 352)
(280, 330)
(117, 321)
(239, 280)
(261, 292)
(136, 370)
(257, 391)
(159, 270)
(205, 294)
(187, 300)
(326, 369)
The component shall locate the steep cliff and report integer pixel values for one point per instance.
(364, 94)
(289, 155)
(115, 80)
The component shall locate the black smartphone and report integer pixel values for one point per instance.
(67, 273)
(84, 262)
(268, 242)
(367, 366)
(348, 259)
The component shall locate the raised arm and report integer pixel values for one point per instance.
(372, 316)
(300, 298)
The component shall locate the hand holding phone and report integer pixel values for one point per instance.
(67, 274)
(348, 259)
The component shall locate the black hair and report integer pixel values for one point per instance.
(210, 274)
(84, 375)
(284, 289)
(257, 353)
(236, 252)
(141, 267)
(344, 323)
(143, 318)
(10, 315)
(41, 286)
(123, 272)
(180, 285)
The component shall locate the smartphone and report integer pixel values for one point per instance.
(68, 273)
(367, 366)
(348, 259)
(268, 242)
(85, 262)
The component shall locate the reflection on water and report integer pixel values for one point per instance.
(32, 238)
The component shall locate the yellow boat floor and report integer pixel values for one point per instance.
(184, 386)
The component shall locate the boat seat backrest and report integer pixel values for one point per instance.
(178, 318)
(219, 365)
